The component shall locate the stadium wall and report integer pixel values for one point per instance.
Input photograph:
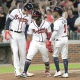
(73, 53)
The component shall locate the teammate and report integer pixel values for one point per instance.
(60, 38)
(37, 31)
(17, 21)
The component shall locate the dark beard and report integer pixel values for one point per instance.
(38, 22)
(55, 16)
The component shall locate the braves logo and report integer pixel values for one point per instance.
(20, 19)
(42, 30)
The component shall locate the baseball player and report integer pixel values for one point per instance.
(17, 21)
(37, 31)
(60, 38)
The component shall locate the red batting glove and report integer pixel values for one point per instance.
(49, 46)
(7, 35)
(48, 43)
(27, 46)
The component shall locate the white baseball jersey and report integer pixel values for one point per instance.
(19, 20)
(78, 6)
(77, 21)
(39, 32)
(60, 25)
(61, 39)
(17, 40)
(38, 40)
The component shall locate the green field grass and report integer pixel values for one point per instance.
(37, 67)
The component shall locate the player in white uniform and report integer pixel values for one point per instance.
(17, 21)
(60, 38)
(38, 29)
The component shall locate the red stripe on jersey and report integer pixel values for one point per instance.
(40, 28)
(19, 21)
(22, 22)
(35, 24)
(42, 24)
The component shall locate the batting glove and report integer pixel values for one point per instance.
(7, 35)
(49, 46)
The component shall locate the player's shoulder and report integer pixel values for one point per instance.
(60, 19)
(46, 22)
(15, 10)
(32, 23)
(78, 18)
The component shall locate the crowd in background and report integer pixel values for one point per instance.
(71, 12)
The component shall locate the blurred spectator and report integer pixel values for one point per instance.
(76, 2)
(36, 5)
(3, 36)
(79, 8)
(13, 4)
(71, 20)
(19, 4)
(66, 4)
(47, 12)
(0, 1)
(8, 3)
(2, 19)
(77, 24)
(45, 5)
(64, 14)
(49, 18)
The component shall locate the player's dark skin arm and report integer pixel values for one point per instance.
(29, 37)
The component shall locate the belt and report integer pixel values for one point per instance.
(65, 36)
(61, 36)
(16, 31)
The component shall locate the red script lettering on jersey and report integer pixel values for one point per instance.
(20, 19)
(42, 30)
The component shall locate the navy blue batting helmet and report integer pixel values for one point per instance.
(28, 6)
(37, 14)
(59, 10)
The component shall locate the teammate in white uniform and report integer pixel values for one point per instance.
(17, 21)
(60, 38)
(38, 29)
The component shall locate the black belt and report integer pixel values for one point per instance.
(16, 31)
